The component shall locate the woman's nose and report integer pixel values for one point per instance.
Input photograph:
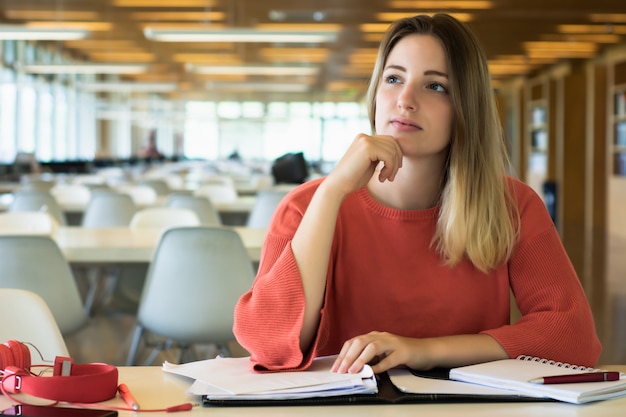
(407, 100)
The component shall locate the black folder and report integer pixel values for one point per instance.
(387, 393)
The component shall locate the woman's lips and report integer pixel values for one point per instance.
(405, 124)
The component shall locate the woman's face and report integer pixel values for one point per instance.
(412, 101)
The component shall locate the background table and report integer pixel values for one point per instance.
(125, 245)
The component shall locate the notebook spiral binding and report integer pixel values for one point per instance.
(557, 364)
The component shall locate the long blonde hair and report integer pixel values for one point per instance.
(478, 218)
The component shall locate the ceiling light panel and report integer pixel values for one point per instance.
(164, 3)
(442, 4)
(268, 70)
(84, 68)
(238, 35)
(17, 32)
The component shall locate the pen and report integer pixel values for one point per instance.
(584, 377)
(128, 397)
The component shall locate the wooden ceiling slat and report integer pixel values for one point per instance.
(503, 31)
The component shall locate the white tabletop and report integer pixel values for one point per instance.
(125, 245)
(155, 389)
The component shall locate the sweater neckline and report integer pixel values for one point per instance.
(393, 213)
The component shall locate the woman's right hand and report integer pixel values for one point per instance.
(359, 163)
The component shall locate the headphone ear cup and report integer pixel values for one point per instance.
(21, 354)
(6, 356)
(18, 355)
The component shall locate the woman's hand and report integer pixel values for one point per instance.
(389, 349)
(359, 163)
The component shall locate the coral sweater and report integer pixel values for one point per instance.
(384, 275)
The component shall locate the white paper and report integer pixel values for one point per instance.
(407, 382)
(232, 376)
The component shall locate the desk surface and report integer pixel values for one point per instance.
(125, 245)
(154, 389)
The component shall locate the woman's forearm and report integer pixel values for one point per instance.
(311, 245)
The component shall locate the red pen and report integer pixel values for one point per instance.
(584, 377)
(128, 397)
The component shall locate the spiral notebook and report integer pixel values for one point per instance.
(515, 374)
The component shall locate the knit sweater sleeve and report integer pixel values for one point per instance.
(269, 317)
(556, 320)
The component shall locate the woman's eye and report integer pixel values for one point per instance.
(437, 87)
(391, 79)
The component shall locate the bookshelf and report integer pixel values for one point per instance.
(618, 144)
(537, 149)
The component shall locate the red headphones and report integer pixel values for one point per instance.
(70, 382)
(77, 384)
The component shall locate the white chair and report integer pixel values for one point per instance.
(37, 200)
(37, 184)
(163, 217)
(196, 276)
(109, 209)
(35, 263)
(142, 195)
(27, 222)
(264, 207)
(158, 185)
(125, 289)
(71, 194)
(217, 193)
(106, 209)
(202, 206)
(28, 319)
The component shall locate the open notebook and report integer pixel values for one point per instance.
(515, 374)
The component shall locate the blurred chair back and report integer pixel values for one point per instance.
(142, 195)
(71, 194)
(264, 207)
(36, 263)
(158, 185)
(130, 279)
(37, 200)
(109, 209)
(27, 222)
(212, 270)
(217, 193)
(28, 319)
(37, 184)
(202, 206)
(163, 217)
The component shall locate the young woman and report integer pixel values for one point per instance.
(408, 251)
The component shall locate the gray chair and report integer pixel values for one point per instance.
(38, 200)
(28, 319)
(196, 276)
(109, 209)
(158, 185)
(35, 263)
(264, 206)
(202, 206)
(125, 290)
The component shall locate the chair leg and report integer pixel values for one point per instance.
(159, 347)
(134, 345)
(93, 276)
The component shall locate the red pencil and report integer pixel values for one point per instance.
(575, 378)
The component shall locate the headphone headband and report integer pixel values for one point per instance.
(76, 383)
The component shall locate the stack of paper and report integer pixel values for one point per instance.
(231, 378)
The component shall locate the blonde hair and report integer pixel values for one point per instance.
(478, 217)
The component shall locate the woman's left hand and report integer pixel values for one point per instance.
(391, 350)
